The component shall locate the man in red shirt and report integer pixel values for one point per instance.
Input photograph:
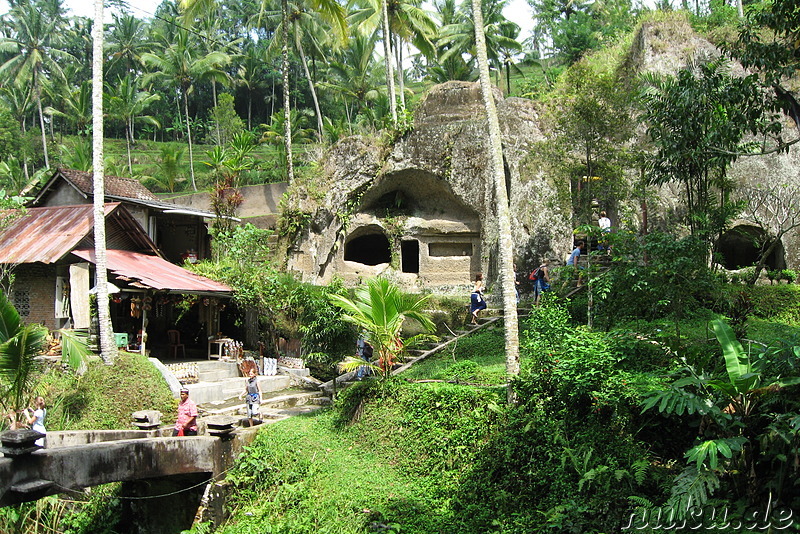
(187, 416)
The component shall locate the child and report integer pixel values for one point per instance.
(252, 392)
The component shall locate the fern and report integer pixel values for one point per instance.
(640, 469)
(640, 501)
(692, 488)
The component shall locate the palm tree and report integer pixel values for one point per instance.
(19, 346)
(128, 104)
(449, 66)
(171, 167)
(501, 203)
(32, 47)
(351, 74)
(251, 74)
(76, 105)
(369, 18)
(408, 22)
(127, 42)
(380, 309)
(276, 133)
(180, 65)
(18, 102)
(108, 346)
(459, 37)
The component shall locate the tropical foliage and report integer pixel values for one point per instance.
(380, 309)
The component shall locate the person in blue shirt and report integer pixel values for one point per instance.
(574, 257)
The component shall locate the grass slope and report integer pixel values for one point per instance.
(106, 396)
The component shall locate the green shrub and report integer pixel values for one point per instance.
(789, 275)
(779, 303)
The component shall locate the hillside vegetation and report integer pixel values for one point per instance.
(578, 454)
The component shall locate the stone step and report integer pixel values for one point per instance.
(219, 390)
(213, 376)
(271, 404)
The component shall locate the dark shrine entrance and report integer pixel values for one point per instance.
(409, 254)
(368, 249)
(741, 246)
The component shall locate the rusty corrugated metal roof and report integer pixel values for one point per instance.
(48, 234)
(152, 272)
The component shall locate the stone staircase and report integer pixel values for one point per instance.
(277, 405)
(220, 380)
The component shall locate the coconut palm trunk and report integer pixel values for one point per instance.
(287, 105)
(189, 137)
(387, 54)
(311, 88)
(108, 348)
(400, 75)
(506, 251)
(38, 91)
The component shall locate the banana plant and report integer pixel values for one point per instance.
(732, 441)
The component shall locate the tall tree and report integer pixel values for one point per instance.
(459, 37)
(128, 104)
(127, 42)
(376, 15)
(305, 21)
(34, 54)
(505, 244)
(697, 153)
(768, 44)
(251, 74)
(408, 22)
(352, 75)
(75, 105)
(108, 346)
(181, 66)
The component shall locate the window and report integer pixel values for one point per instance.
(22, 301)
(450, 249)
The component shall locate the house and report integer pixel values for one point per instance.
(50, 252)
(178, 231)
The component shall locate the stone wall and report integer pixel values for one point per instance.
(260, 204)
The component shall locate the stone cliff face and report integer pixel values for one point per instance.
(422, 211)
(667, 46)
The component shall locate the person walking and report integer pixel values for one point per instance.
(605, 227)
(477, 302)
(364, 351)
(186, 425)
(574, 257)
(252, 394)
(541, 282)
(35, 418)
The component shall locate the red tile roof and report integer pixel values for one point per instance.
(117, 186)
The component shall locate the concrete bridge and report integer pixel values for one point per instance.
(165, 479)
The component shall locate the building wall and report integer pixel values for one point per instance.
(65, 195)
(34, 294)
